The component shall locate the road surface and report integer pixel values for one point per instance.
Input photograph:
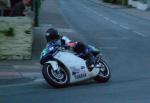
(124, 42)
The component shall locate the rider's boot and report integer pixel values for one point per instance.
(90, 65)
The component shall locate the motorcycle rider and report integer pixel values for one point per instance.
(54, 39)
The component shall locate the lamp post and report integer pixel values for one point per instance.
(36, 6)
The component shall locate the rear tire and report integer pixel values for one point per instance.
(104, 74)
(55, 79)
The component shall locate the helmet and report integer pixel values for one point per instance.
(52, 35)
(79, 47)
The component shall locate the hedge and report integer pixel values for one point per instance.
(121, 2)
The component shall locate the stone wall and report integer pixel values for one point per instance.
(16, 46)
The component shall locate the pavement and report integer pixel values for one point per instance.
(12, 72)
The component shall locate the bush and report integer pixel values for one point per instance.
(9, 32)
(109, 1)
(121, 2)
(2, 3)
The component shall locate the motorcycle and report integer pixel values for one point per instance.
(67, 68)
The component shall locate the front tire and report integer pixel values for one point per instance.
(104, 74)
(58, 79)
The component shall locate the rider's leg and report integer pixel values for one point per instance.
(90, 60)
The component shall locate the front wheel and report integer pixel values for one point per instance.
(58, 78)
(104, 74)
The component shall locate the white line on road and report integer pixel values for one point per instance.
(114, 22)
(124, 27)
(100, 15)
(141, 34)
(106, 18)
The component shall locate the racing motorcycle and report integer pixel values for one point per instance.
(67, 68)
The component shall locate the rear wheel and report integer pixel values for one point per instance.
(56, 78)
(104, 74)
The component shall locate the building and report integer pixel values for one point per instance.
(6, 5)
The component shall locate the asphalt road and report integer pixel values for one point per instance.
(124, 42)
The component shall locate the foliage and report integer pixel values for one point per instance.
(2, 3)
(121, 2)
(9, 32)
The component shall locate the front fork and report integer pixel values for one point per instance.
(54, 65)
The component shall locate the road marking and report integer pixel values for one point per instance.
(114, 22)
(141, 34)
(106, 18)
(124, 27)
(100, 15)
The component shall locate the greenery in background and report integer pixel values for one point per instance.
(120, 2)
(2, 3)
(9, 32)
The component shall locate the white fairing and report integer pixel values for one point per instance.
(76, 67)
(54, 64)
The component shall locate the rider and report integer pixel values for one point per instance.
(54, 39)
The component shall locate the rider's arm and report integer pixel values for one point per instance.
(65, 40)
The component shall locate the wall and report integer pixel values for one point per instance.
(19, 45)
